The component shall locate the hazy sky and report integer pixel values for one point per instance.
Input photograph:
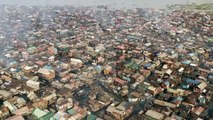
(112, 3)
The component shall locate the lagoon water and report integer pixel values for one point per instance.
(117, 4)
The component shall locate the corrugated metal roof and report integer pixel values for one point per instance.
(154, 114)
(48, 116)
(38, 113)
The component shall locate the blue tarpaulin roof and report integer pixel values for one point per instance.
(210, 76)
(147, 65)
(192, 81)
(185, 86)
(48, 67)
(178, 99)
(191, 54)
(186, 62)
(167, 83)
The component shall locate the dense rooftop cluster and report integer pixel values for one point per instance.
(66, 63)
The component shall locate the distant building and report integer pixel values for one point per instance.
(46, 73)
(154, 114)
(16, 117)
(121, 111)
(33, 84)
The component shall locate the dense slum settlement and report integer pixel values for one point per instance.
(68, 63)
